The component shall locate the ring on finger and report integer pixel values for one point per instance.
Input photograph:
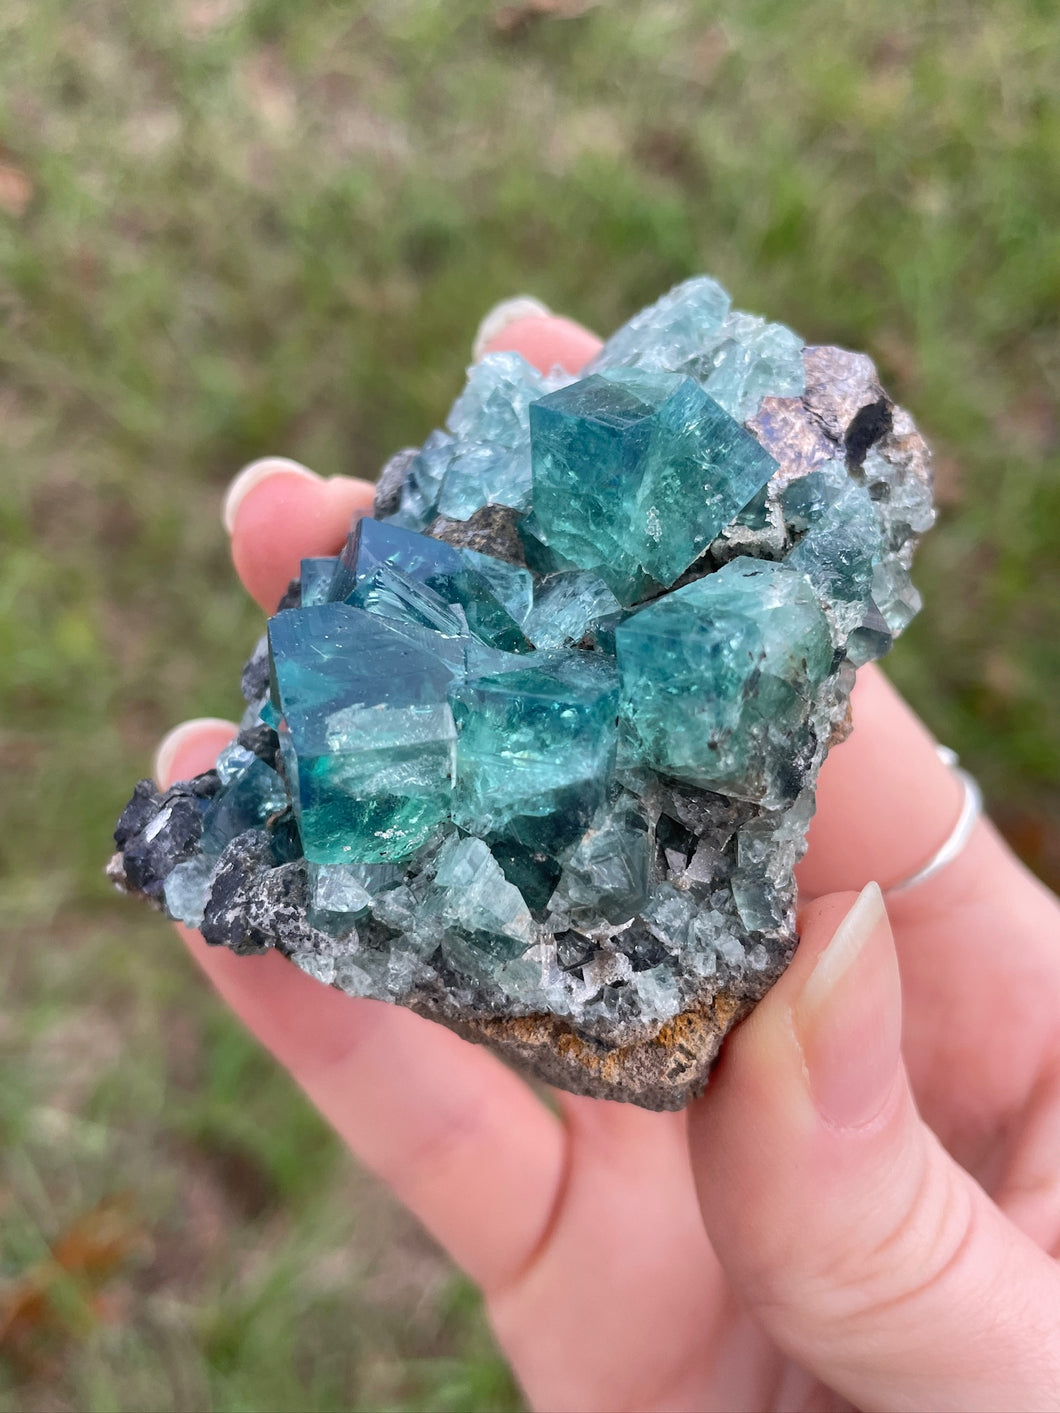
(957, 840)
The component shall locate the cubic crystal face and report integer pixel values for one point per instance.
(535, 754)
(397, 573)
(488, 912)
(529, 737)
(315, 580)
(368, 736)
(719, 680)
(254, 793)
(635, 473)
(567, 607)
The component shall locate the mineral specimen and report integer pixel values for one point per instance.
(535, 755)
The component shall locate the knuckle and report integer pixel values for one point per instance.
(887, 1261)
(913, 1252)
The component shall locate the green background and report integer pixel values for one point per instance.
(232, 227)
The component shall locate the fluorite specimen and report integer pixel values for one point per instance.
(536, 754)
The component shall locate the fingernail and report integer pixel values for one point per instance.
(173, 743)
(848, 1019)
(252, 476)
(522, 306)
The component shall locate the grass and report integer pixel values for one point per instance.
(231, 227)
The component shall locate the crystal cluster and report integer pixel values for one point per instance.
(535, 754)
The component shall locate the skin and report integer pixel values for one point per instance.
(864, 1208)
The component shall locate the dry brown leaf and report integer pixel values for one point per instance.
(1032, 420)
(36, 1306)
(16, 189)
(270, 91)
(898, 357)
(1002, 675)
(510, 19)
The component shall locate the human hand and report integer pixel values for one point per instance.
(840, 1217)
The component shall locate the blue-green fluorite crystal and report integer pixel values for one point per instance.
(315, 580)
(738, 358)
(635, 473)
(367, 732)
(720, 678)
(568, 607)
(397, 573)
(252, 795)
(484, 457)
(528, 736)
(536, 753)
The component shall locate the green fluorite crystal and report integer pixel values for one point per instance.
(719, 681)
(396, 573)
(536, 753)
(738, 358)
(484, 457)
(315, 580)
(253, 794)
(607, 875)
(368, 735)
(530, 736)
(635, 473)
(341, 892)
(478, 901)
(567, 607)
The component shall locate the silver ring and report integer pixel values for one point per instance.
(971, 809)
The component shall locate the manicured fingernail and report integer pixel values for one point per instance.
(523, 306)
(173, 743)
(252, 476)
(848, 1019)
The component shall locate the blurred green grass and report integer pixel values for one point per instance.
(231, 227)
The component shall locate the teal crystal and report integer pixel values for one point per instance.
(396, 573)
(233, 761)
(484, 457)
(719, 680)
(568, 607)
(489, 913)
(754, 359)
(187, 890)
(530, 736)
(511, 585)
(252, 795)
(635, 474)
(738, 358)
(607, 876)
(315, 580)
(535, 754)
(490, 420)
(368, 735)
(840, 544)
(423, 482)
(340, 894)
(678, 331)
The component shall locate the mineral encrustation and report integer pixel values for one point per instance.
(535, 755)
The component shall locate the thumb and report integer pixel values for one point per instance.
(867, 1254)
